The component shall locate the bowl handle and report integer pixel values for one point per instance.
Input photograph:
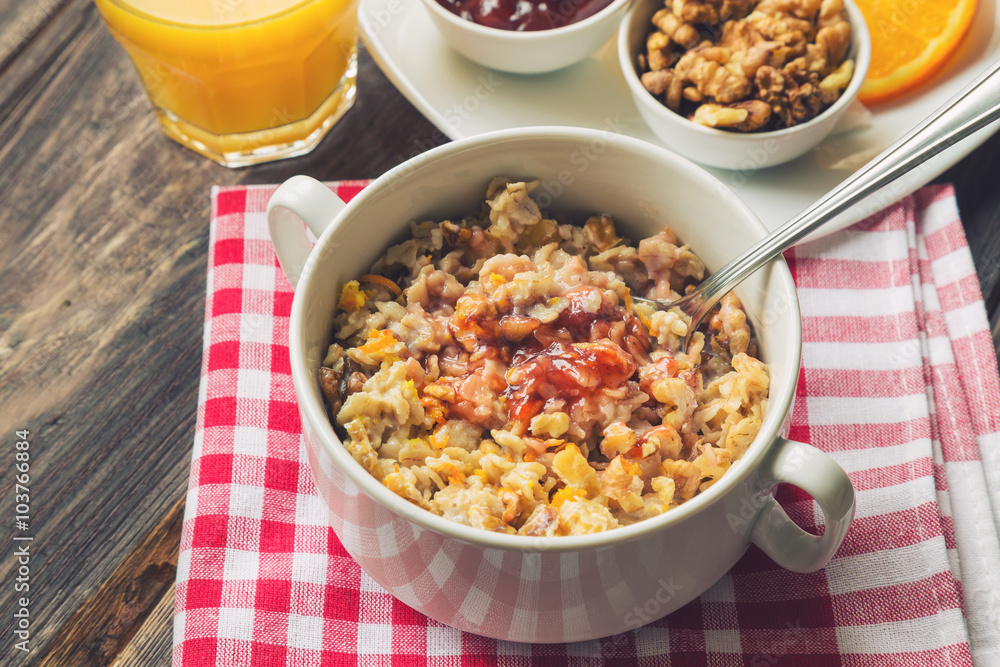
(297, 200)
(818, 475)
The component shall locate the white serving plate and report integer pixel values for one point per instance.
(464, 99)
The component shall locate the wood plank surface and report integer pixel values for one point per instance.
(153, 642)
(102, 626)
(103, 244)
(21, 22)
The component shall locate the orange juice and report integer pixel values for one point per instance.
(242, 81)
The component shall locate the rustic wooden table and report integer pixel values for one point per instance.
(103, 241)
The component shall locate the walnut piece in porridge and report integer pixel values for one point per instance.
(748, 65)
(495, 371)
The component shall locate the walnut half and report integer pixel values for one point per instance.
(746, 116)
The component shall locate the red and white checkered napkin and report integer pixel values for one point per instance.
(899, 384)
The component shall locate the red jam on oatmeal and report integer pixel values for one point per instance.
(524, 14)
(495, 371)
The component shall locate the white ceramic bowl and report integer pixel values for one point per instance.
(726, 149)
(561, 589)
(528, 52)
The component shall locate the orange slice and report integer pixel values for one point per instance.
(911, 41)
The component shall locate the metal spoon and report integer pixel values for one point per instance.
(972, 109)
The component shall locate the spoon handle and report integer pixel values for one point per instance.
(972, 109)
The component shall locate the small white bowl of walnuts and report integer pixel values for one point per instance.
(733, 82)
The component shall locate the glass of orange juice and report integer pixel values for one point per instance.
(242, 81)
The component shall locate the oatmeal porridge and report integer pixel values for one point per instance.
(496, 372)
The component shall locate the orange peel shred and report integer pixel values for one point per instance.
(383, 281)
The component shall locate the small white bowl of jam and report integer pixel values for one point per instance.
(526, 36)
